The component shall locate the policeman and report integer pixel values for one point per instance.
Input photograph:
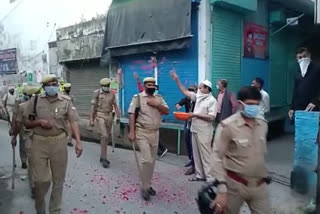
(103, 102)
(67, 90)
(24, 134)
(9, 101)
(15, 129)
(48, 115)
(238, 159)
(144, 114)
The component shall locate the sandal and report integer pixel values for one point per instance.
(196, 179)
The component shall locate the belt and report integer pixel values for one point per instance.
(146, 130)
(235, 176)
(104, 113)
(45, 138)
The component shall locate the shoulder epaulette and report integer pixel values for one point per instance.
(65, 97)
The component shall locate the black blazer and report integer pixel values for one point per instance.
(306, 89)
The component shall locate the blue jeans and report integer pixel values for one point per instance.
(188, 140)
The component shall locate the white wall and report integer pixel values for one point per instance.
(204, 29)
(31, 24)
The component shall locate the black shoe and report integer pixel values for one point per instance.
(189, 163)
(145, 195)
(163, 153)
(70, 144)
(24, 166)
(105, 163)
(190, 171)
(151, 191)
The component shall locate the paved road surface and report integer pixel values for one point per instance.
(91, 189)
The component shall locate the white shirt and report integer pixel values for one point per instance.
(205, 104)
(11, 99)
(264, 104)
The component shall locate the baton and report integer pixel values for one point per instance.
(136, 157)
(13, 166)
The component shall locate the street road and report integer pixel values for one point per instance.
(91, 189)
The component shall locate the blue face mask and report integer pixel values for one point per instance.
(106, 89)
(251, 111)
(52, 90)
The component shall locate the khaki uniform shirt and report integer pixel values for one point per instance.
(17, 103)
(204, 105)
(20, 118)
(103, 101)
(58, 112)
(68, 95)
(239, 148)
(148, 117)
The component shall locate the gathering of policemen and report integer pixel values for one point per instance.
(225, 137)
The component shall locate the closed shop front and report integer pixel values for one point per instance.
(84, 78)
(184, 62)
(226, 46)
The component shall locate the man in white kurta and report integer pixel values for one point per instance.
(204, 114)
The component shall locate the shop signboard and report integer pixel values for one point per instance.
(255, 41)
(8, 61)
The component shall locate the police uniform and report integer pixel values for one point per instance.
(68, 85)
(238, 160)
(103, 103)
(26, 134)
(49, 146)
(147, 133)
(22, 138)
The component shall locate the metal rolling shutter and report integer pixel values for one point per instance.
(184, 62)
(84, 81)
(226, 47)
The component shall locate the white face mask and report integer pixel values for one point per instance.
(304, 64)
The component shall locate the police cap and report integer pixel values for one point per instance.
(105, 81)
(49, 78)
(149, 79)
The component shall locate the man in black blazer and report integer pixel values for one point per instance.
(306, 92)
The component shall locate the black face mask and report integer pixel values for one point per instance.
(150, 91)
(67, 91)
(11, 91)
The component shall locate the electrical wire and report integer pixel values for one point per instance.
(15, 7)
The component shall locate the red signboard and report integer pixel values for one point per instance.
(255, 41)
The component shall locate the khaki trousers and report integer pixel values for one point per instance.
(202, 153)
(257, 198)
(105, 126)
(147, 141)
(10, 110)
(28, 143)
(49, 158)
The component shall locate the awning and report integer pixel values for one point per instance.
(302, 6)
(140, 26)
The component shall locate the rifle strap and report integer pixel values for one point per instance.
(35, 105)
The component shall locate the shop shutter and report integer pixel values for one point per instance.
(184, 62)
(85, 80)
(226, 47)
